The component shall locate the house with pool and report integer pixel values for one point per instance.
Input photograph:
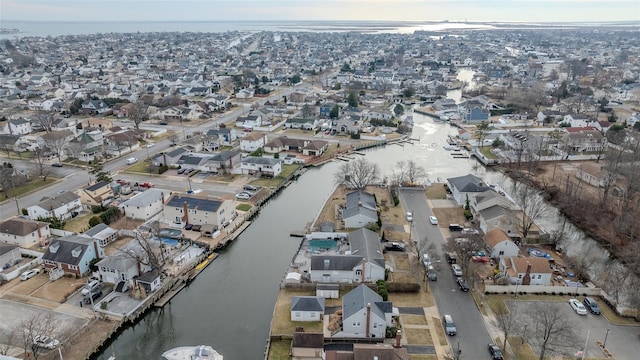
(182, 210)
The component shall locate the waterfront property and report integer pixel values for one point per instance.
(360, 210)
(72, 254)
(307, 308)
(365, 314)
(181, 209)
(526, 271)
(467, 185)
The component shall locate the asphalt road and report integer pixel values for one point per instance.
(472, 335)
(74, 178)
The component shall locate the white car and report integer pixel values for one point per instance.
(45, 342)
(433, 220)
(457, 270)
(470, 231)
(578, 307)
(150, 145)
(426, 260)
(409, 216)
(29, 274)
(243, 196)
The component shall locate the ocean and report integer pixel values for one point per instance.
(43, 29)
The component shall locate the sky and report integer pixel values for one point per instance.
(370, 10)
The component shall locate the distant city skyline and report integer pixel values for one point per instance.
(341, 10)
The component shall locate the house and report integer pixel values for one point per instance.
(475, 114)
(18, 126)
(98, 194)
(145, 205)
(499, 217)
(95, 107)
(576, 120)
(378, 351)
(307, 346)
(24, 232)
(11, 143)
(584, 139)
(602, 126)
(224, 162)
(365, 314)
(550, 116)
(103, 233)
(315, 147)
(501, 244)
(595, 174)
(301, 123)
(307, 308)
(61, 205)
(169, 158)
(262, 166)
(360, 210)
(125, 264)
(526, 270)
(363, 263)
(227, 136)
(325, 109)
(150, 281)
(466, 186)
(253, 141)
(182, 209)
(72, 254)
(9, 255)
(249, 122)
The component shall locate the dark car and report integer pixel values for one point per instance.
(93, 297)
(56, 164)
(455, 227)
(591, 305)
(462, 283)
(393, 246)
(496, 353)
(181, 171)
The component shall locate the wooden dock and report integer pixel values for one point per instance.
(170, 294)
(298, 233)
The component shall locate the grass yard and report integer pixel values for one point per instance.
(142, 166)
(423, 357)
(442, 337)
(243, 207)
(413, 320)
(287, 170)
(80, 223)
(486, 151)
(281, 323)
(417, 336)
(420, 299)
(30, 186)
(279, 350)
(402, 262)
(436, 191)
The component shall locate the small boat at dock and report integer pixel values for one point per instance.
(200, 352)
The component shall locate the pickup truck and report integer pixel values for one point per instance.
(145, 184)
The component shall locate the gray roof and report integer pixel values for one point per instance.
(365, 243)
(357, 299)
(6, 248)
(147, 197)
(96, 230)
(356, 198)
(176, 152)
(124, 258)
(307, 303)
(493, 212)
(225, 155)
(58, 200)
(260, 160)
(61, 250)
(96, 186)
(193, 202)
(469, 183)
(335, 262)
(359, 210)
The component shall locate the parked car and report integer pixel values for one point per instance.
(146, 185)
(433, 220)
(181, 171)
(591, 305)
(149, 145)
(470, 231)
(45, 342)
(56, 164)
(426, 260)
(577, 307)
(393, 246)
(431, 273)
(243, 196)
(91, 287)
(449, 326)
(462, 283)
(123, 181)
(409, 216)
(163, 123)
(29, 274)
(455, 227)
(249, 188)
(495, 352)
(92, 297)
(457, 270)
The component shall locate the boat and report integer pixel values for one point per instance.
(200, 352)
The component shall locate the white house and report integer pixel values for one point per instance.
(307, 308)
(182, 209)
(365, 314)
(61, 205)
(526, 271)
(249, 122)
(360, 210)
(263, 166)
(467, 185)
(576, 120)
(145, 205)
(363, 263)
(24, 232)
(123, 265)
(19, 126)
(501, 244)
(103, 233)
(253, 141)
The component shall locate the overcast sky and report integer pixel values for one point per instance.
(390, 10)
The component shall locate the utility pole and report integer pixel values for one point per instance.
(17, 205)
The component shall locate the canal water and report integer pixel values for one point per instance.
(229, 306)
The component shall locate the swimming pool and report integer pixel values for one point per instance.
(170, 233)
(317, 244)
(169, 242)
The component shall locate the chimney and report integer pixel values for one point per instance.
(185, 209)
(162, 197)
(527, 276)
(398, 338)
(364, 265)
(368, 320)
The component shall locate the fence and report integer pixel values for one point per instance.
(541, 289)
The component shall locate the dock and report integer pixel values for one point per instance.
(170, 294)
(298, 233)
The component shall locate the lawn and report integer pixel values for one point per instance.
(423, 357)
(281, 323)
(30, 186)
(243, 207)
(486, 151)
(141, 166)
(413, 320)
(80, 223)
(436, 191)
(279, 350)
(418, 336)
(440, 331)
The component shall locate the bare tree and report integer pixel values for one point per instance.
(307, 110)
(42, 324)
(584, 258)
(146, 251)
(507, 321)
(615, 280)
(46, 119)
(75, 149)
(8, 339)
(481, 132)
(138, 113)
(357, 174)
(57, 143)
(40, 161)
(551, 331)
(407, 173)
(465, 248)
(533, 207)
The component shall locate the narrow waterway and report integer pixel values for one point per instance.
(229, 306)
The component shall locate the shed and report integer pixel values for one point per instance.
(328, 291)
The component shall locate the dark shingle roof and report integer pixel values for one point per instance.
(63, 250)
(194, 202)
(469, 183)
(358, 298)
(307, 303)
